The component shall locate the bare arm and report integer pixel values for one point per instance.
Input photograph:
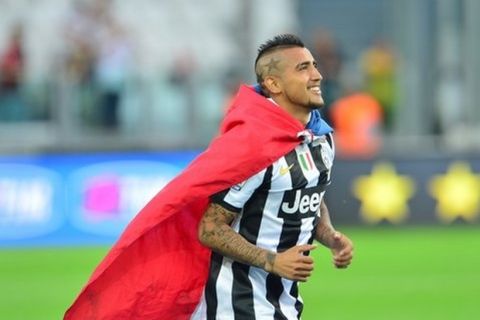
(325, 231)
(340, 244)
(214, 231)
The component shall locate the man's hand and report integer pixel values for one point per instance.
(292, 264)
(342, 249)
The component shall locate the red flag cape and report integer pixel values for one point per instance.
(158, 268)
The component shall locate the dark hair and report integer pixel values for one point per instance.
(281, 41)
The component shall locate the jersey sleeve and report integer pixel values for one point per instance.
(234, 198)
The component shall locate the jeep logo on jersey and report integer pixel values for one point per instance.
(298, 204)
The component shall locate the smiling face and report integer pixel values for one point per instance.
(291, 78)
(300, 80)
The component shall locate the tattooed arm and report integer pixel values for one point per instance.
(215, 232)
(340, 244)
(325, 231)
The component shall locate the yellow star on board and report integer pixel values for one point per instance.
(457, 193)
(384, 194)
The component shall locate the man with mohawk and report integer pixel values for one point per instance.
(229, 237)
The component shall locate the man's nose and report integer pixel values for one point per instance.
(316, 75)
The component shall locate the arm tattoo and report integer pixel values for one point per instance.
(269, 261)
(216, 233)
(324, 230)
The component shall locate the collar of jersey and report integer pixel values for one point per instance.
(316, 124)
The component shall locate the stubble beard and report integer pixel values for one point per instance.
(316, 105)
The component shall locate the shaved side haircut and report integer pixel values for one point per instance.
(283, 41)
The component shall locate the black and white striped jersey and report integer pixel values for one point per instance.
(277, 209)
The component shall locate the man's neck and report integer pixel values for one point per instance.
(302, 115)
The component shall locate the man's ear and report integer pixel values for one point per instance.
(272, 85)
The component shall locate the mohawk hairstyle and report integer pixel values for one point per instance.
(281, 41)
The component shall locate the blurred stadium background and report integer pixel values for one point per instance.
(103, 102)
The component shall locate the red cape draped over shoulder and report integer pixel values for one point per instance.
(158, 268)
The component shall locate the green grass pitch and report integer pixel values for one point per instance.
(398, 273)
